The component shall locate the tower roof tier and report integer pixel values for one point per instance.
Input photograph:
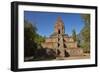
(59, 26)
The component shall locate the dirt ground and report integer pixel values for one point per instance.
(85, 56)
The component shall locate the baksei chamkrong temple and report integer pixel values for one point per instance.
(61, 43)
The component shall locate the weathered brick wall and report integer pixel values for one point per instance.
(71, 45)
(75, 52)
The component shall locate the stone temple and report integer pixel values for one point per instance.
(61, 43)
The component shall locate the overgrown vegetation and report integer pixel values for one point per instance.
(74, 36)
(32, 44)
(85, 33)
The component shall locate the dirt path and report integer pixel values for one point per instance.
(85, 56)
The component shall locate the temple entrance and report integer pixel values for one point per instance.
(66, 54)
(58, 52)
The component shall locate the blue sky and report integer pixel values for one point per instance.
(45, 21)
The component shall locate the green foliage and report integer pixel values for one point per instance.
(86, 19)
(78, 42)
(33, 50)
(29, 36)
(32, 40)
(86, 47)
(85, 33)
(39, 39)
(74, 36)
(86, 29)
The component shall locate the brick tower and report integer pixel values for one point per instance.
(59, 30)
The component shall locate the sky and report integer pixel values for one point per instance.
(45, 21)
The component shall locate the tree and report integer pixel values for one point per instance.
(39, 39)
(86, 18)
(86, 29)
(85, 32)
(74, 36)
(32, 40)
(29, 36)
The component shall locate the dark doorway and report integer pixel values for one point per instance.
(59, 31)
(58, 44)
(65, 46)
(58, 52)
(66, 54)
